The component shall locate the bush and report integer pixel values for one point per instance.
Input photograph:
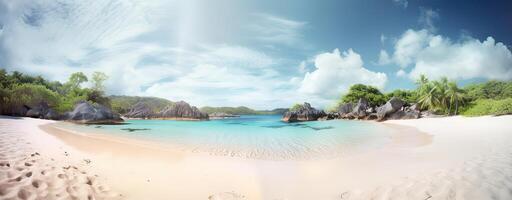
(370, 93)
(295, 107)
(489, 107)
(27, 94)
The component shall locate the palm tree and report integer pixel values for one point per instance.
(427, 98)
(440, 88)
(455, 95)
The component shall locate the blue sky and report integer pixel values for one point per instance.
(262, 54)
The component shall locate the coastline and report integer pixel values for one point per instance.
(411, 167)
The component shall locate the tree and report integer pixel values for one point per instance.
(370, 93)
(408, 96)
(98, 78)
(455, 96)
(76, 79)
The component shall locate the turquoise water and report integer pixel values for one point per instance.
(258, 136)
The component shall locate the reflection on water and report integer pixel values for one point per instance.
(259, 137)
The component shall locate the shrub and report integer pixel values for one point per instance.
(489, 107)
(370, 93)
(295, 107)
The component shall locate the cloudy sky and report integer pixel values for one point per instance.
(262, 54)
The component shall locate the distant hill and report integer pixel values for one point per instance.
(122, 104)
(242, 110)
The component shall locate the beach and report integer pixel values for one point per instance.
(430, 158)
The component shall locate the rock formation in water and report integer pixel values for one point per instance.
(182, 110)
(140, 110)
(304, 113)
(85, 112)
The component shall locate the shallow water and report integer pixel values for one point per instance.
(253, 136)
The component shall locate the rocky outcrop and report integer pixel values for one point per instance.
(221, 115)
(141, 111)
(42, 111)
(182, 111)
(85, 112)
(345, 109)
(359, 111)
(304, 113)
(393, 105)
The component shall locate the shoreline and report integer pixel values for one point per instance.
(395, 171)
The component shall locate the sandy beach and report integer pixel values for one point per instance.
(431, 158)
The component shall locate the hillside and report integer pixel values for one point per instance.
(242, 110)
(122, 104)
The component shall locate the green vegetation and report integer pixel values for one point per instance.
(19, 92)
(295, 107)
(122, 104)
(443, 97)
(370, 93)
(241, 110)
(489, 107)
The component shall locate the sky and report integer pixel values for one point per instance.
(262, 54)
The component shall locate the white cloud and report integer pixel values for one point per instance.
(436, 56)
(148, 49)
(271, 28)
(303, 67)
(401, 73)
(384, 58)
(427, 17)
(403, 3)
(336, 72)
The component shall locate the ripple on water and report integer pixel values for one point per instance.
(257, 137)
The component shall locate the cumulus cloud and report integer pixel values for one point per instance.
(335, 72)
(437, 56)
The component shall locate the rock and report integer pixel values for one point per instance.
(183, 111)
(51, 114)
(415, 107)
(359, 110)
(141, 111)
(371, 116)
(304, 113)
(404, 114)
(393, 105)
(221, 115)
(345, 109)
(85, 112)
(42, 111)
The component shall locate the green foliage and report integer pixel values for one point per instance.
(370, 93)
(18, 90)
(27, 94)
(409, 96)
(98, 78)
(441, 96)
(122, 104)
(74, 81)
(489, 90)
(489, 107)
(296, 107)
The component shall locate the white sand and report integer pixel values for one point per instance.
(462, 158)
